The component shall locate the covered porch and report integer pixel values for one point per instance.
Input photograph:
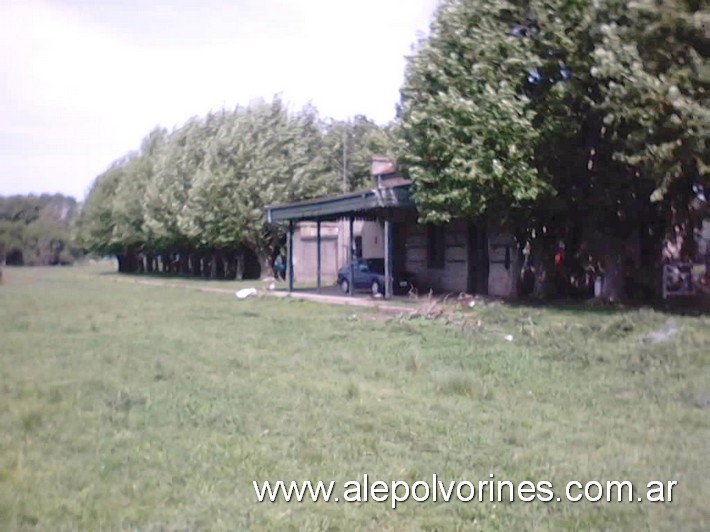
(388, 203)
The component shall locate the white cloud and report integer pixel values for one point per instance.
(81, 82)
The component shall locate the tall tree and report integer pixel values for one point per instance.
(467, 126)
(261, 154)
(166, 194)
(350, 145)
(94, 226)
(549, 114)
(128, 207)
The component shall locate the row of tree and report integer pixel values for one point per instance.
(580, 123)
(36, 230)
(191, 201)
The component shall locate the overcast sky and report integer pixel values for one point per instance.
(83, 81)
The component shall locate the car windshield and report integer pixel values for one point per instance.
(375, 265)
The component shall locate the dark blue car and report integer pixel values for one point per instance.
(369, 274)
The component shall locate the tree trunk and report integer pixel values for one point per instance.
(221, 266)
(265, 262)
(184, 263)
(516, 265)
(542, 260)
(206, 266)
(194, 264)
(213, 266)
(613, 288)
(130, 261)
(239, 266)
(229, 271)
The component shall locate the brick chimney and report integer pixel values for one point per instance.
(384, 171)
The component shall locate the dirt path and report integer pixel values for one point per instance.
(389, 307)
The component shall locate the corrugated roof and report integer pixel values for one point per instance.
(366, 203)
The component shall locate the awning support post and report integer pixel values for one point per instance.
(290, 256)
(351, 257)
(388, 257)
(318, 257)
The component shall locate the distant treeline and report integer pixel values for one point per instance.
(36, 230)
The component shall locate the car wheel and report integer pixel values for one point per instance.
(345, 286)
(375, 288)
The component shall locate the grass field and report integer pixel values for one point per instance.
(127, 406)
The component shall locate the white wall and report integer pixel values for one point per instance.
(305, 254)
(373, 240)
(335, 240)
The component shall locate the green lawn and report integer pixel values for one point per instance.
(131, 406)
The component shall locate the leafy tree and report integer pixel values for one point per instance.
(208, 218)
(167, 192)
(128, 207)
(557, 116)
(655, 99)
(94, 226)
(12, 242)
(259, 155)
(467, 126)
(643, 116)
(357, 141)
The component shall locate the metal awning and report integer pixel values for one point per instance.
(377, 203)
(365, 204)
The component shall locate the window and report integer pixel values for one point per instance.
(376, 265)
(435, 246)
